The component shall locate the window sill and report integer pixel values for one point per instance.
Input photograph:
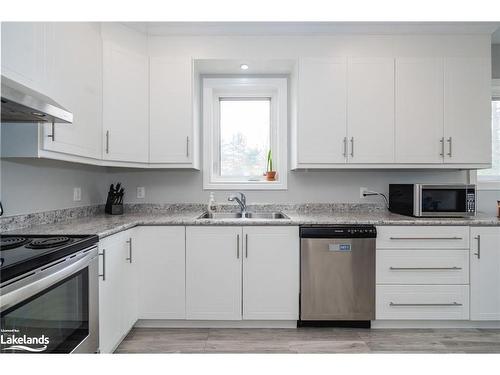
(246, 185)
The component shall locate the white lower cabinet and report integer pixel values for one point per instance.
(213, 273)
(117, 290)
(235, 273)
(422, 302)
(271, 273)
(485, 273)
(161, 262)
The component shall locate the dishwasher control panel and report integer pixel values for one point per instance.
(352, 231)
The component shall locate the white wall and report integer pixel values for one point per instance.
(495, 61)
(35, 185)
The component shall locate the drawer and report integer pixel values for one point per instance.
(422, 237)
(422, 267)
(422, 302)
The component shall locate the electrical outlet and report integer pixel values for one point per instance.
(362, 190)
(141, 192)
(77, 194)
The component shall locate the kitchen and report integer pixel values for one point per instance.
(250, 187)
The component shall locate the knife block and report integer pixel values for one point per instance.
(114, 209)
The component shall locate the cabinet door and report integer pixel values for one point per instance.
(74, 73)
(271, 273)
(125, 104)
(370, 110)
(129, 303)
(419, 110)
(160, 256)
(110, 293)
(213, 273)
(171, 120)
(22, 53)
(321, 111)
(485, 273)
(467, 110)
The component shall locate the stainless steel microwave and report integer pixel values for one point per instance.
(433, 200)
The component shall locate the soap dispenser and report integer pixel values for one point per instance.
(211, 203)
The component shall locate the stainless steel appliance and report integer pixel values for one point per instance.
(433, 200)
(22, 104)
(337, 274)
(49, 294)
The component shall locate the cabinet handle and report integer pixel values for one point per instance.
(450, 142)
(478, 254)
(53, 135)
(442, 147)
(352, 147)
(425, 238)
(187, 146)
(345, 147)
(129, 250)
(425, 304)
(423, 268)
(238, 246)
(107, 141)
(103, 254)
(246, 245)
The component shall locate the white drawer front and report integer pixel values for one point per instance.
(422, 237)
(422, 302)
(422, 267)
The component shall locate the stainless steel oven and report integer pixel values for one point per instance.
(433, 200)
(53, 309)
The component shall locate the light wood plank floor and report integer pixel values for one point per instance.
(310, 340)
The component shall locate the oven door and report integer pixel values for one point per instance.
(53, 309)
(445, 200)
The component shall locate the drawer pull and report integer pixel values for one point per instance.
(426, 238)
(425, 304)
(423, 268)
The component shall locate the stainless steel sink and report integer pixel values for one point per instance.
(248, 215)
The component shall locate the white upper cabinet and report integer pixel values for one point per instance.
(125, 104)
(322, 111)
(171, 110)
(419, 110)
(74, 73)
(370, 110)
(213, 272)
(271, 273)
(485, 273)
(23, 53)
(467, 110)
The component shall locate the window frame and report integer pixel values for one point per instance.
(244, 87)
(488, 182)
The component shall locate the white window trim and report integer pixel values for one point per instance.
(483, 182)
(213, 89)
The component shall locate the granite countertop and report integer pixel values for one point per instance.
(106, 225)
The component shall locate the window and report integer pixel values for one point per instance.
(244, 119)
(490, 178)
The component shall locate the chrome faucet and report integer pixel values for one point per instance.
(242, 201)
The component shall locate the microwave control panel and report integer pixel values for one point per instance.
(471, 202)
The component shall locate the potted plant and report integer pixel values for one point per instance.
(270, 173)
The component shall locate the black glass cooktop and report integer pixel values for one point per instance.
(22, 253)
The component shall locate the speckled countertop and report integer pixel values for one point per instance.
(105, 225)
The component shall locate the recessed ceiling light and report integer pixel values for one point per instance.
(243, 66)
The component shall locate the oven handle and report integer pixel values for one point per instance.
(42, 281)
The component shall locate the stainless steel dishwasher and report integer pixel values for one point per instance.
(337, 276)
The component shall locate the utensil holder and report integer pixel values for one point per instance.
(114, 209)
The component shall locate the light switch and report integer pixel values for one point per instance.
(141, 192)
(77, 194)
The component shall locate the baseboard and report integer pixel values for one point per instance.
(434, 324)
(160, 323)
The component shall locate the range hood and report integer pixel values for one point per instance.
(22, 104)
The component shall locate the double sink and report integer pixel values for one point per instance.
(245, 215)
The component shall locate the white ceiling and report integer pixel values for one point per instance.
(316, 28)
